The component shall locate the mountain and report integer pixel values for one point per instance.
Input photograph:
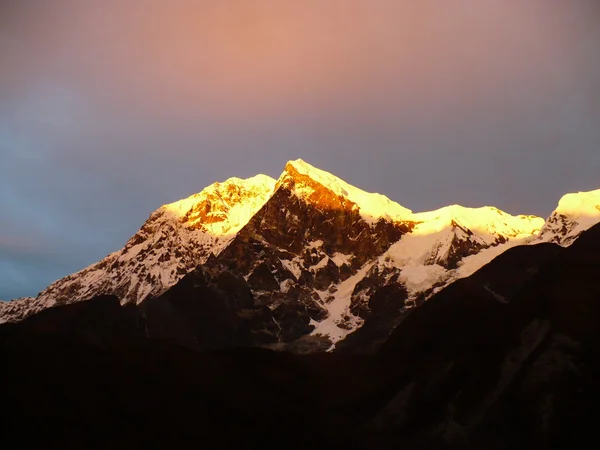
(175, 239)
(309, 260)
(508, 357)
(575, 214)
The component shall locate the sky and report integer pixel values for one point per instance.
(109, 109)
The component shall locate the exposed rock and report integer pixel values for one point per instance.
(262, 279)
(327, 276)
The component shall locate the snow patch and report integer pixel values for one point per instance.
(322, 263)
(293, 265)
(315, 244)
(340, 259)
(286, 285)
(580, 205)
(471, 264)
(340, 322)
(419, 279)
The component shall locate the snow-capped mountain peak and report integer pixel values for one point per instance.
(575, 213)
(307, 182)
(487, 222)
(223, 208)
(580, 204)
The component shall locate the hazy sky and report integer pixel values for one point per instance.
(110, 108)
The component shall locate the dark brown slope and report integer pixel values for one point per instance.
(208, 309)
(80, 377)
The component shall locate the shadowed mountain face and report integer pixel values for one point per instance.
(506, 358)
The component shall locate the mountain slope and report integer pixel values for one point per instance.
(429, 258)
(174, 240)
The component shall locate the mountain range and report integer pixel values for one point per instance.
(317, 257)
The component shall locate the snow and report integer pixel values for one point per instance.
(432, 237)
(254, 193)
(286, 285)
(575, 213)
(419, 279)
(339, 309)
(372, 206)
(322, 263)
(471, 264)
(340, 259)
(581, 206)
(416, 249)
(315, 244)
(418, 254)
(293, 265)
(486, 222)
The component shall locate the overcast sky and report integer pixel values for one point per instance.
(111, 108)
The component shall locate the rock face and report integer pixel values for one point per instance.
(305, 240)
(320, 258)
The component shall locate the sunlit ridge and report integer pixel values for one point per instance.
(223, 208)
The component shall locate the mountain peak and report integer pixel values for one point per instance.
(485, 220)
(574, 214)
(580, 204)
(224, 207)
(304, 179)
